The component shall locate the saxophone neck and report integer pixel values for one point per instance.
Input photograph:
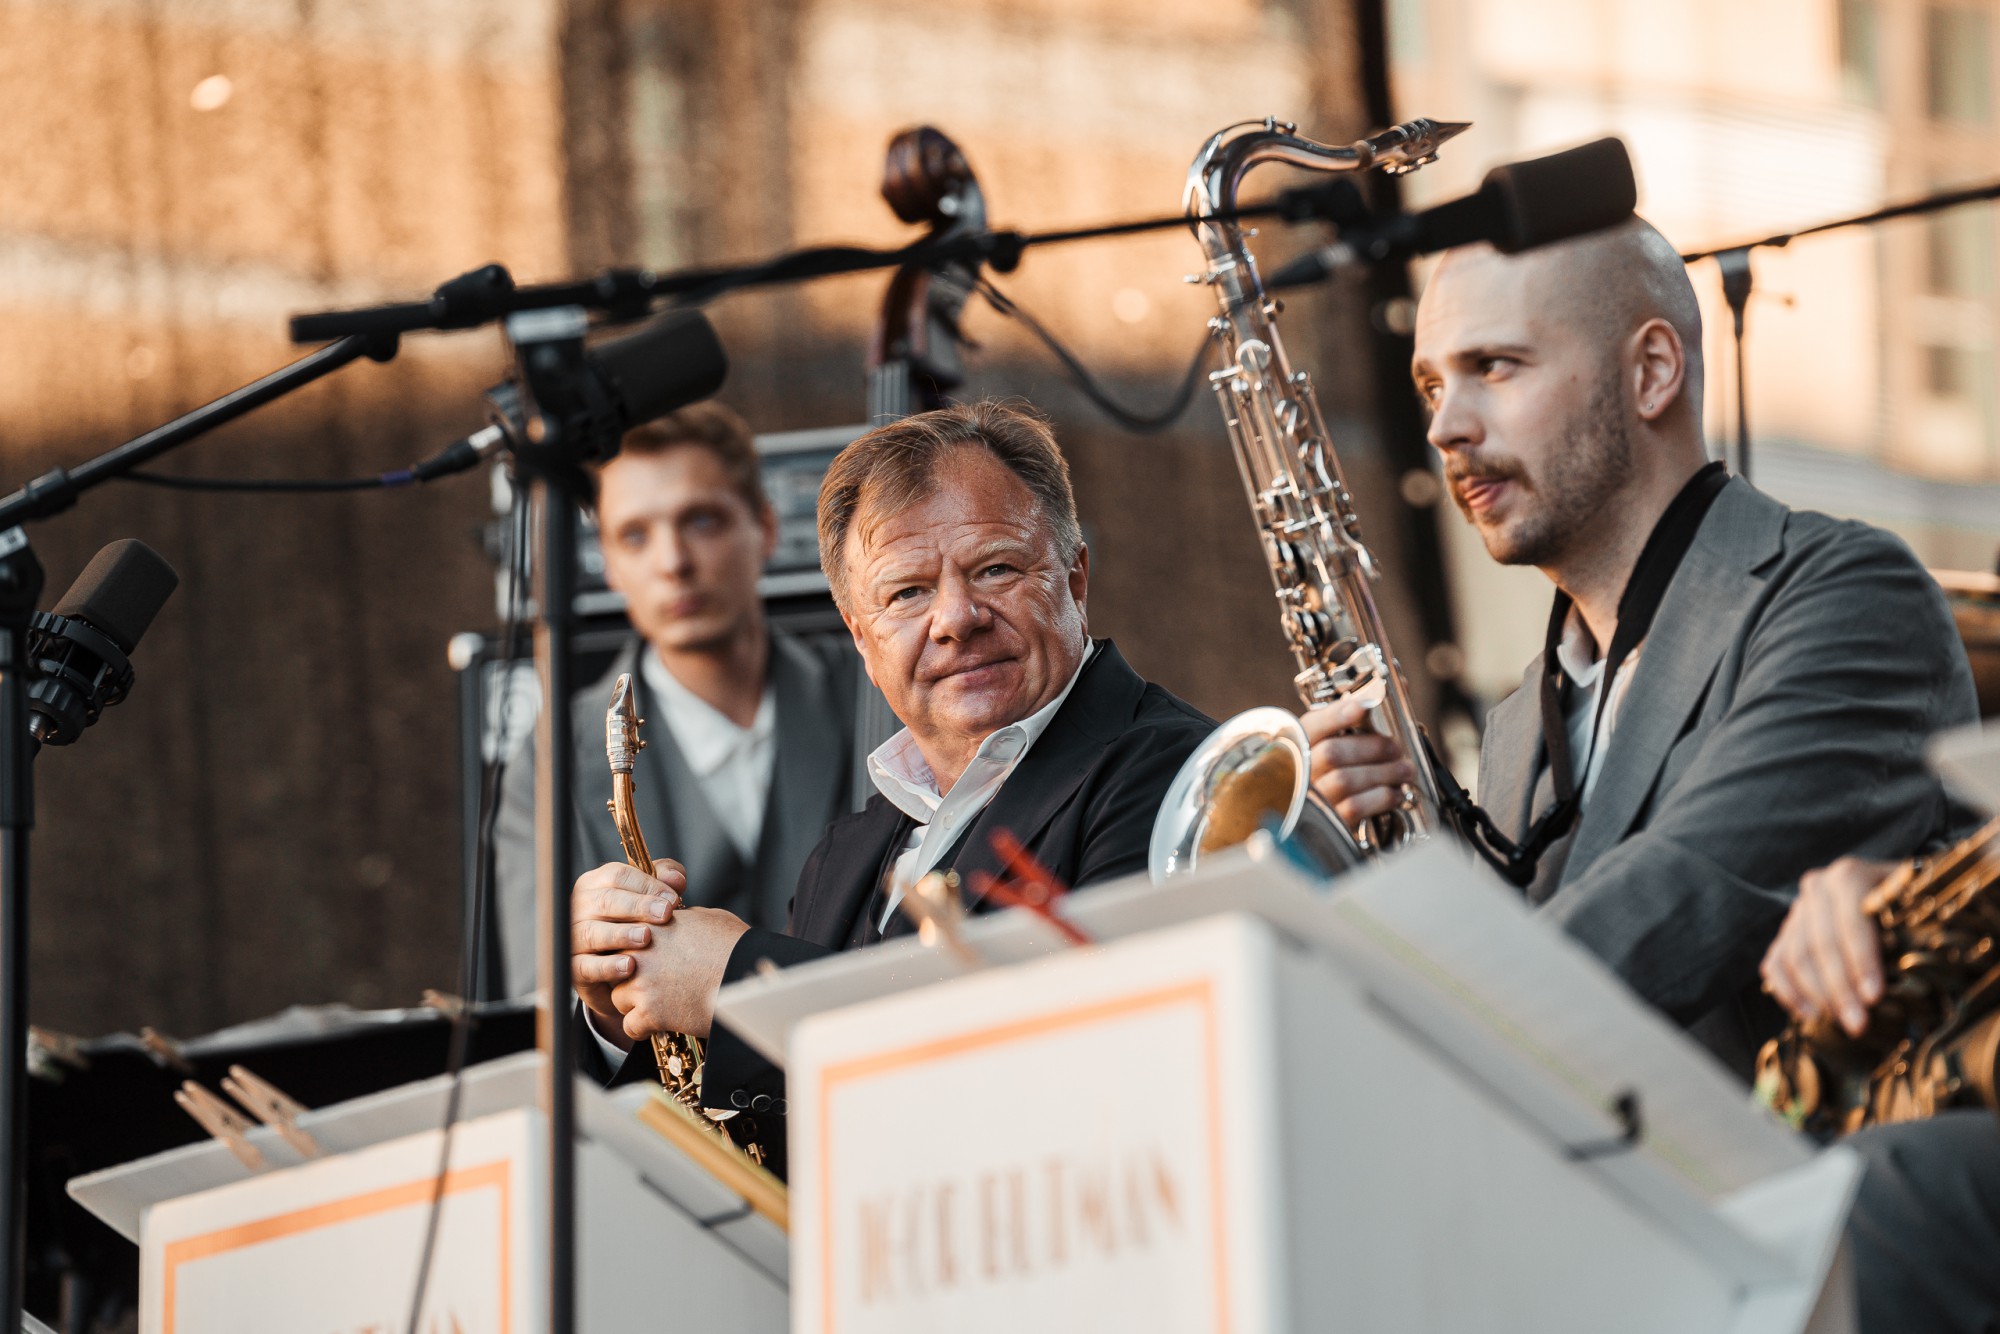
(1230, 153)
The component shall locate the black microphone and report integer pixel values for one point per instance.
(587, 399)
(1517, 207)
(672, 362)
(77, 653)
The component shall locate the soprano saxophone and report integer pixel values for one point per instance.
(678, 1055)
(1255, 768)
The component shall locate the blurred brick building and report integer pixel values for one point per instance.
(272, 818)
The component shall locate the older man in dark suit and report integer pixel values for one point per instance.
(952, 544)
(1733, 692)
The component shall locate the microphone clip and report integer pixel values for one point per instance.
(75, 673)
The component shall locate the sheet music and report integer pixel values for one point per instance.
(1442, 942)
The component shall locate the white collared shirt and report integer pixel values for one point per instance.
(900, 773)
(733, 764)
(1576, 653)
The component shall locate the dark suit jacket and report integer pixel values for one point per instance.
(812, 782)
(1082, 800)
(1775, 721)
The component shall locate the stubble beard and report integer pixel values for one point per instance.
(1574, 485)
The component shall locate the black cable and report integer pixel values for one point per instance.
(465, 1020)
(1140, 423)
(269, 484)
(456, 457)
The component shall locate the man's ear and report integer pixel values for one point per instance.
(860, 645)
(767, 519)
(1659, 372)
(1079, 583)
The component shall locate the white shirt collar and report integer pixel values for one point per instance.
(900, 772)
(707, 737)
(1576, 652)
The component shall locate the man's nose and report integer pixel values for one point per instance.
(957, 612)
(671, 552)
(1454, 421)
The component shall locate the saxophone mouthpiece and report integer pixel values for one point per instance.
(621, 727)
(1405, 147)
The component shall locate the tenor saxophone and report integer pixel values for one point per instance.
(1255, 768)
(678, 1055)
(1933, 1039)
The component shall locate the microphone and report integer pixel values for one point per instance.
(672, 362)
(1517, 207)
(77, 654)
(593, 397)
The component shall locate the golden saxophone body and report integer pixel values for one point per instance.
(1933, 1039)
(679, 1055)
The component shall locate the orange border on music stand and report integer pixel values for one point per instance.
(1200, 993)
(495, 1174)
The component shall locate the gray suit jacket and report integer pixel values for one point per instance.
(1775, 721)
(812, 783)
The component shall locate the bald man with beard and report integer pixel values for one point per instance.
(1768, 715)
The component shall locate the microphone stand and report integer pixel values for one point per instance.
(554, 422)
(1734, 262)
(20, 589)
(1736, 285)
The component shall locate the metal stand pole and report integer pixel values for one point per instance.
(555, 588)
(1736, 285)
(20, 588)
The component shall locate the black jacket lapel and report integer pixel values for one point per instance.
(1099, 707)
(853, 856)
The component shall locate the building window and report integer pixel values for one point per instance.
(1958, 65)
(1859, 34)
(1950, 372)
(1959, 252)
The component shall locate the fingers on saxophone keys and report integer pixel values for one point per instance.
(1366, 805)
(1781, 976)
(592, 936)
(670, 873)
(1332, 719)
(1823, 949)
(599, 969)
(616, 893)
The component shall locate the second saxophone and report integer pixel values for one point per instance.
(1256, 767)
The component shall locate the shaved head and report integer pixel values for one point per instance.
(1564, 386)
(1608, 283)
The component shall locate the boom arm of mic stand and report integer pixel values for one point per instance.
(57, 489)
(630, 293)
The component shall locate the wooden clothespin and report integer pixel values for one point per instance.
(273, 1108)
(164, 1050)
(1030, 886)
(938, 909)
(443, 1002)
(222, 1121)
(46, 1048)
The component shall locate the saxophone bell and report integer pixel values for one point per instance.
(1252, 773)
